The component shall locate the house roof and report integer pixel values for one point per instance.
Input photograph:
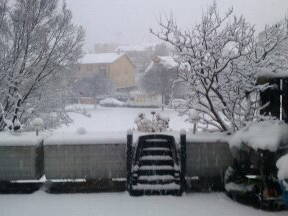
(166, 61)
(100, 58)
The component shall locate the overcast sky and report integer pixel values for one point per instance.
(128, 21)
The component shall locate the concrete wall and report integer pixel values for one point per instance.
(206, 164)
(21, 162)
(207, 159)
(90, 161)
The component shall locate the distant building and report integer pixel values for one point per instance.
(167, 67)
(116, 67)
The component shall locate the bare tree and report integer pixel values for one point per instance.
(41, 41)
(218, 58)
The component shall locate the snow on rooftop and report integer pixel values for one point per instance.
(282, 165)
(100, 58)
(265, 135)
(166, 61)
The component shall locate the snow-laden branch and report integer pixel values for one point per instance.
(219, 58)
(41, 43)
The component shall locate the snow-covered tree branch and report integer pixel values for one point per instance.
(219, 58)
(40, 42)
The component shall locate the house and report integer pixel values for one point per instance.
(114, 66)
(159, 83)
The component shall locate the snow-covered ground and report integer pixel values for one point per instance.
(118, 204)
(118, 119)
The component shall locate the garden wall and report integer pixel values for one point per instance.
(21, 158)
(92, 158)
(103, 156)
(207, 158)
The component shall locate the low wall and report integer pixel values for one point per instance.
(103, 156)
(21, 158)
(96, 159)
(207, 159)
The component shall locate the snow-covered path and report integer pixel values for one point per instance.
(121, 204)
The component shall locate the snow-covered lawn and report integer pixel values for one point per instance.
(121, 204)
(106, 120)
(118, 119)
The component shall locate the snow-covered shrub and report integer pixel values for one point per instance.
(159, 123)
(111, 102)
(143, 124)
(37, 124)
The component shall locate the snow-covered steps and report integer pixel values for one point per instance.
(156, 149)
(156, 168)
(170, 186)
(156, 157)
(156, 160)
(155, 144)
(156, 177)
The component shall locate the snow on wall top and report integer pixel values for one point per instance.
(100, 58)
(270, 74)
(282, 165)
(21, 139)
(265, 135)
(86, 138)
(207, 137)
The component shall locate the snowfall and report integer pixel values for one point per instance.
(119, 120)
